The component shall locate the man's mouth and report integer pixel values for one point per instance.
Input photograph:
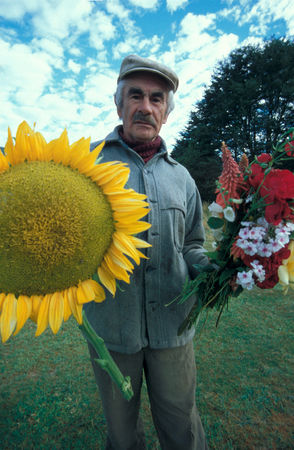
(144, 123)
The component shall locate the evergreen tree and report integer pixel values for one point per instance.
(249, 104)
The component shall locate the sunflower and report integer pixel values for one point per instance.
(67, 227)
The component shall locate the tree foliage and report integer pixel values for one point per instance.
(249, 104)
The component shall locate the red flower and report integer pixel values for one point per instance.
(277, 190)
(264, 158)
(256, 176)
(270, 265)
(231, 179)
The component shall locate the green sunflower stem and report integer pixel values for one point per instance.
(105, 360)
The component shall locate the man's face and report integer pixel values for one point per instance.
(144, 107)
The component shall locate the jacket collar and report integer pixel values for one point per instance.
(114, 137)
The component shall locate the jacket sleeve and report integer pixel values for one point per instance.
(193, 250)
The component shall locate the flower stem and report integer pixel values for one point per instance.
(105, 360)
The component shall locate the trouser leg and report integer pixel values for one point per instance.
(171, 382)
(124, 426)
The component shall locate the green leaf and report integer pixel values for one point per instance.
(215, 222)
(226, 274)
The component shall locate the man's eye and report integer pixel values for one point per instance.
(135, 96)
(156, 99)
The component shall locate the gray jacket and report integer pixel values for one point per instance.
(138, 316)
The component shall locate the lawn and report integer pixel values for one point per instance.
(245, 387)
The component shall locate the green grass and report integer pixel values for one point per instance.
(245, 387)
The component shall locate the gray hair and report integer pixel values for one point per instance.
(118, 97)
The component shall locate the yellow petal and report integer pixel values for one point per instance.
(90, 290)
(85, 293)
(118, 272)
(291, 271)
(118, 176)
(283, 275)
(23, 311)
(36, 301)
(56, 311)
(128, 217)
(67, 309)
(58, 149)
(134, 228)
(9, 148)
(3, 160)
(43, 314)
(2, 298)
(8, 317)
(24, 144)
(139, 243)
(119, 258)
(122, 243)
(76, 308)
(106, 278)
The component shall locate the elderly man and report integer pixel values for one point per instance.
(138, 327)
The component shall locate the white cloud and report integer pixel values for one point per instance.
(173, 5)
(25, 73)
(146, 4)
(51, 50)
(99, 87)
(264, 13)
(15, 10)
(59, 18)
(74, 66)
(116, 8)
(75, 51)
(101, 29)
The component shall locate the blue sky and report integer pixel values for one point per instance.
(60, 58)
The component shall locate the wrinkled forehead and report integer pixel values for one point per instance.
(148, 83)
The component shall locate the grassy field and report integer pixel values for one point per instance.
(245, 383)
(245, 387)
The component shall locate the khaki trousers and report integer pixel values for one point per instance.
(171, 382)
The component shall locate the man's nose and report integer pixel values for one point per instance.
(145, 106)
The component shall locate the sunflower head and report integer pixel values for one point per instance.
(64, 220)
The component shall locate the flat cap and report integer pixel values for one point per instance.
(134, 63)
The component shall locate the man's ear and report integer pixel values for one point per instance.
(119, 112)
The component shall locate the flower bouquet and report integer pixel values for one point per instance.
(252, 221)
(67, 226)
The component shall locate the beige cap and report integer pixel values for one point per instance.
(134, 63)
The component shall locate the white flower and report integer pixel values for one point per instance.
(256, 233)
(258, 270)
(250, 249)
(276, 246)
(244, 233)
(242, 243)
(215, 209)
(218, 234)
(282, 239)
(247, 224)
(229, 214)
(265, 250)
(263, 222)
(245, 279)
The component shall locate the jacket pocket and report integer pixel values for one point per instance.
(179, 228)
(173, 226)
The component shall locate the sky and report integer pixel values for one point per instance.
(60, 58)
